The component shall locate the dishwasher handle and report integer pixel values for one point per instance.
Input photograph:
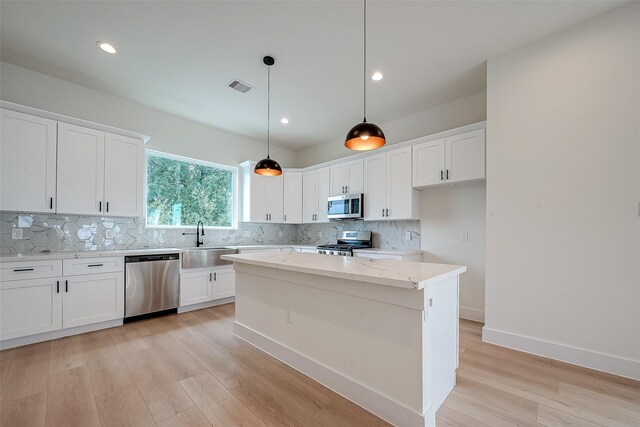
(148, 258)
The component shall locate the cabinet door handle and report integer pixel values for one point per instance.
(441, 175)
(382, 211)
(58, 287)
(210, 277)
(107, 206)
(66, 286)
(346, 188)
(285, 217)
(51, 203)
(18, 270)
(447, 173)
(215, 276)
(100, 206)
(269, 217)
(387, 213)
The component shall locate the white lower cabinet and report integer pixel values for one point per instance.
(29, 307)
(207, 284)
(92, 298)
(196, 287)
(32, 303)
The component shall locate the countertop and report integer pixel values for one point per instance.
(144, 251)
(401, 274)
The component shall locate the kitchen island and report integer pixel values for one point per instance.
(382, 333)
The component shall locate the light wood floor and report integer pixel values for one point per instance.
(189, 370)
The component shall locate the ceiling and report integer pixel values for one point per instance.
(179, 56)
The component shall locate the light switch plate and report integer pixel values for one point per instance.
(319, 233)
(279, 233)
(464, 236)
(16, 233)
(407, 235)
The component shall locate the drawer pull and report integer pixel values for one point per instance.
(95, 265)
(66, 286)
(17, 270)
(58, 287)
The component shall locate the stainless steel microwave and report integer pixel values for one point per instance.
(345, 206)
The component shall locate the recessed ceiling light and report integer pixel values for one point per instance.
(106, 47)
(377, 76)
(284, 121)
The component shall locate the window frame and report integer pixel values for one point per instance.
(235, 193)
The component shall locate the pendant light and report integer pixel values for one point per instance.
(268, 166)
(365, 136)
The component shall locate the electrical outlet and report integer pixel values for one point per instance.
(280, 233)
(109, 234)
(464, 236)
(407, 235)
(16, 233)
(289, 316)
(246, 234)
(319, 233)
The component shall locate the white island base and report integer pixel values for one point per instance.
(383, 334)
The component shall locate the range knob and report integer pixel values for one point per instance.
(331, 252)
(340, 253)
(320, 251)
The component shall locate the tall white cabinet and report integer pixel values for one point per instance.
(316, 191)
(292, 197)
(387, 186)
(27, 163)
(58, 167)
(262, 196)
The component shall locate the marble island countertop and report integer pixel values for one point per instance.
(402, 274)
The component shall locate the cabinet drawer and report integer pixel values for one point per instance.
(77, 267)
(21, 270)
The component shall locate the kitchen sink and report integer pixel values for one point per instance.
(205, 257)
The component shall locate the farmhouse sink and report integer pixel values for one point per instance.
(205, 257)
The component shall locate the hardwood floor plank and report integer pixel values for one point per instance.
(162, 394)
(601, 401)
(70, 401)
(107, 369)
(124, 407)
(271, 406)
(27, 411)
(191, 417)
(553, 418)
(6, 357)
(478, 410)
(28, 373)
(447, 417)
(335, 414)
(127, 340)
(217, 403)
(223, 368)
(67, 353)
(173, 356)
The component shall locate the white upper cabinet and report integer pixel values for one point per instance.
(387, 186)
(456, 158)
(347, 177)
(80, 184)
(262, 196)
(52, 166)
(466, 156)
(123, 176)
(292, 197)
(316, 191)
(27, 163)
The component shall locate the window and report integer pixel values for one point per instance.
(183, 191)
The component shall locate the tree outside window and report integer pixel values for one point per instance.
(181, 192)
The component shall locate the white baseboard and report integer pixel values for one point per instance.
(32, 339)
(383, 406)
(207, 304)
(471, 314)
(577, 356)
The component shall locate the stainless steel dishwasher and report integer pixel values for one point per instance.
(152, 284)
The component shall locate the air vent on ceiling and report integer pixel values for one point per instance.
(240, 86)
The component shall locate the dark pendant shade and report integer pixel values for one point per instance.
(364, 136)
(268, 167)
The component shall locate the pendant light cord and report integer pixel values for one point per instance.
(364, 69)
(268, 108)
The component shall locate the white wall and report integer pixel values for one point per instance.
(563, 193)
(169, 133)
(446, 212)
(459, 112)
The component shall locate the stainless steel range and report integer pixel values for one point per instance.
(347, 242)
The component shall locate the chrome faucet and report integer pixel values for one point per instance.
(199, 233)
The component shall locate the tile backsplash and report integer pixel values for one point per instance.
(56, 233)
